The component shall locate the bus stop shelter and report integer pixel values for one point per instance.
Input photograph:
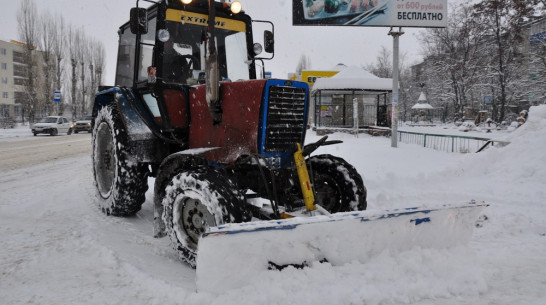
(333, 98)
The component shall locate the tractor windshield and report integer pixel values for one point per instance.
(184, 52)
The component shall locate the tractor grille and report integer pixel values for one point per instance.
(285, 118)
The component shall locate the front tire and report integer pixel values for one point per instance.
(338, 186)
(120, 183)
(196, 200)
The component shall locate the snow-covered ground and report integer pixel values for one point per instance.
(57, 248)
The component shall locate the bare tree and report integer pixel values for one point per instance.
(28, 29)
(64, 53)
(74, 50)
(99, 62)
(382, 67)
(96, 66)
(83, 60)
(46, 44)
(59, 51)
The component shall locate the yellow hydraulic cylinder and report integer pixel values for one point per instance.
(305, 182)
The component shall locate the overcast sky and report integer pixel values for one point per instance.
(325, 46)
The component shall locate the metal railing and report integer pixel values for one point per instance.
(448, 143)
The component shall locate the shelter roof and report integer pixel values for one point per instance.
(353, 78)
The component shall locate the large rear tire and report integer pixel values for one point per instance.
(120, 184)
(338, 186)
(196, 200)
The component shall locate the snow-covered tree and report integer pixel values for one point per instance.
(454, 56)
(502, 22)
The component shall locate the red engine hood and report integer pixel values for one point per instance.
(237, 133)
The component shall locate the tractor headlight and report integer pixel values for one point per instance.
(163, 35)
(236, 7)
(257, 49)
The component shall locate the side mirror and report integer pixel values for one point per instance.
(269, 42)
(139, 20)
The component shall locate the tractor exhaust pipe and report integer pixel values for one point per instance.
(212, 77)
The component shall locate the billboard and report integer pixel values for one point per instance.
(385, 13)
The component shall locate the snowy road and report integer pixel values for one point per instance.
(57, 248)
(27, 151)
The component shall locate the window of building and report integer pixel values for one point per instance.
(4, 80)
(5, 95)
(4, 66)
(19, 71)
(17, 110)
(4, 111)
(18, 57)
(3, 51)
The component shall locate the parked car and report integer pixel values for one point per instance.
(82, 125)
(52, 125)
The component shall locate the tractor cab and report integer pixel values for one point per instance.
(173, 45)
(184, 43)
(170, 41)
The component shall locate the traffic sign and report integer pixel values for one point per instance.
(57, 96)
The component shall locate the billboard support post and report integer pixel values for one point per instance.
(395, 73)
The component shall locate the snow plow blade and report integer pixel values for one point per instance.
(230, 256)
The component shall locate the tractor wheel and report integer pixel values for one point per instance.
(121, 184)
(170, 167)
(196, 200)
(338, 186)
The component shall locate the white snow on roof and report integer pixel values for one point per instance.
(422, 97)
(422, 106)
(353, 78)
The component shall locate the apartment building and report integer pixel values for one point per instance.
(12, 76)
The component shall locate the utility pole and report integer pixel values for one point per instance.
(394, 110)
